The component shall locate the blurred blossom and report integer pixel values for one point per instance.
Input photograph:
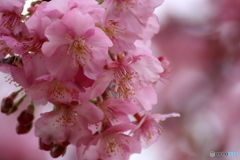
(203, 49)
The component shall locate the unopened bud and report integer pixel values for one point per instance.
(23, 129)
(25, 118)
(65, 143)
(58, 150)
(43, 146)
(16, 105)
(6, 105)
(13, 95)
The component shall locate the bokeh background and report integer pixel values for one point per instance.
(201, 39)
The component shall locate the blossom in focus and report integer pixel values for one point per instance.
(129, 74)
(112, 144)
(87, 67)
(67, 123)
(85, 46)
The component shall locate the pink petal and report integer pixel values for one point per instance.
(101, 84)
(38, 23)
(144, 102)
(56, 38)
(122, 106)
(44, 128)
(148, 67)
(120, 128)
(90, 112)
(79, 23)
(61, 66)
(163, 117)
(41, 89)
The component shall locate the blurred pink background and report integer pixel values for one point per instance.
(201, 39)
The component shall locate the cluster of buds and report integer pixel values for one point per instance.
(25, 120)
(91, 60)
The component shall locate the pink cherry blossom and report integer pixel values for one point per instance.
(10, 15)
(148, 129)
(67, 123)
(131, 73)
(4, 48)
(112, 144)
(69, 44)
(133, 13)
(9, 45)
(38, 23)
(53, 90)
(90, 60)
(118, 32)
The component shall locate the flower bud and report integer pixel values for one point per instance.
(26, 116)
(13, 95)
(58, 150)
(65, 143)
(6, 105)
(43, 146)
(23, 129)
(15, 105)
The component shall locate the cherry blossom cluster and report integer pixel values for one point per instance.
(90, 60)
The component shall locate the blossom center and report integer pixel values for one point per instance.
(9, 20)
(4, 49)
(59, 90)
(79, 51)
(126, 4)
(113, 31)
(124, 77)
(108, 111)
(34, 46)
(112, 147)
(66, 118)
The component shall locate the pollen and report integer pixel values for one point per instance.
(112, 147)
(10, 80)
(80, 51)
(59, 90)
(34, 47)
(67, 118)
(125, 77)
(4, 49)
(126, 4)
(113, 30)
